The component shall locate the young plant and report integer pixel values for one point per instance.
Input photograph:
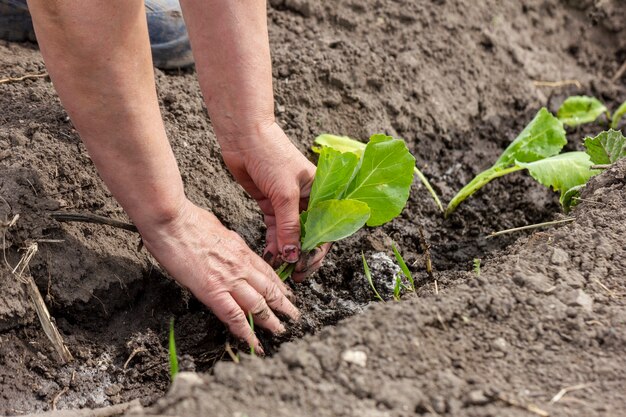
(368, 275)
(579, 110)
(397, 288)
(351, 190)
(346, 144)
(536, 150)
(477, 266)
(172, 352)
(619, 113)
(403, 267)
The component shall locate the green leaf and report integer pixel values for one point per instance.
(333, 220)
(341, 143)
(607, 147)
(403, 267)
(619, 113)
(172, 352)
(346, 144)
(578, 110)
(562, 172)
(368, 275)
(384, 178)
(334, 172)
(543, 137)
(477, 183)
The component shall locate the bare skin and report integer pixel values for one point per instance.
(98, 57)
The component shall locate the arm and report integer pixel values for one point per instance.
(229, 39)
(98, 56)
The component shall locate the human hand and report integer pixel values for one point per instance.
(220, 270)
(276, 174)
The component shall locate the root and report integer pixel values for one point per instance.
(22, 78)
(531, 226)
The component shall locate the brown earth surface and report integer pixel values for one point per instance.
(455, 79)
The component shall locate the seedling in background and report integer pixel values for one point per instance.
(403, 267)
(172, 352)
(346, 144)
(477, 266)
(579, 110)
(536, 150)
(351, 190)
(368, 275)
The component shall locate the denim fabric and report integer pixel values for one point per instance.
(166, 27)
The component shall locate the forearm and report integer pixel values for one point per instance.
(231, 50)
(98, 57)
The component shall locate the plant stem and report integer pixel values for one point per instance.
(285, 271)
(531, 226)
(430, 189)
(477, 183)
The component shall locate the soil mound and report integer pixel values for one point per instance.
(457, 80)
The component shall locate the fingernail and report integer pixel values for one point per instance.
(258, 350)
(281, 329)
(267, 256)
(291, 254)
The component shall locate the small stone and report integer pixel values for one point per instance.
(584, 300)
(500, 344)
(559, 257)
(355, 357)
(477, 397)
(112, 390)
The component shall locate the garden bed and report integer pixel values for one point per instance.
(457, 80)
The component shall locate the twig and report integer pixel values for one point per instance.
(528, 407)
(565, 390)
(555, 84)
(132, 355)
(531, 226)
(426, 248)
(56, 397)
(62, 216)
(48, 326)
(230, 352)
(22, 78)
(601, 166)
(619, 72)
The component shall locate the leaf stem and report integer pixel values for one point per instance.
(477, 183)
(285, 271)
(429, 187)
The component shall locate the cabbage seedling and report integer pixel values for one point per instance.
(619, 113)
(536, 150)
(346, 144)
(351, 190)
(578, 110)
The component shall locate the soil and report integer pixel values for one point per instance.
(454, 78)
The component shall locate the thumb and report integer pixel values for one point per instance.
(286, 209)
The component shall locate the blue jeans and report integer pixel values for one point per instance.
(168, 35)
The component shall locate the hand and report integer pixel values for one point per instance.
(220, 270)
(276, 174)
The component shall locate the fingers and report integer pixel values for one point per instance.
(231, 314)
(310, 263)
(286, 209)
(253, 303)
(271, 253)
(275, 292)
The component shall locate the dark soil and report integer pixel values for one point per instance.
(454, 78)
